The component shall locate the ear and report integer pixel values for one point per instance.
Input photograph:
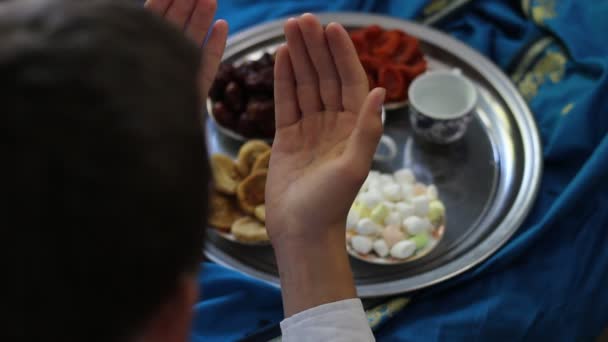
(172, 322)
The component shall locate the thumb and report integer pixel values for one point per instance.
(368, 130)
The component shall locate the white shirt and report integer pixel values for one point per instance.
(344, 320)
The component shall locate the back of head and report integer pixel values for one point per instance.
(107, 172)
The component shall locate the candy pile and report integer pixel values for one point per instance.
(394, 215)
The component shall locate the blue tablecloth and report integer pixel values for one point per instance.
(550, 281)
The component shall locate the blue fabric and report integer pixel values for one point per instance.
(550, 281)
(233, 305)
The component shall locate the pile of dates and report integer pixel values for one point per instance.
(242, 97)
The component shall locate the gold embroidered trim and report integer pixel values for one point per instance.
(567, 108)
(525, 7)
(531, 55)
(543, 10)
(435, 6)
(551, 67)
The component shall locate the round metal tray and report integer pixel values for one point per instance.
(487, 181)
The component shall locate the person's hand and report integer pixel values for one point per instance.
(328, 125)
(195, 17)
(327, 128)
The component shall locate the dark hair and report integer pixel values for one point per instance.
(107, 166)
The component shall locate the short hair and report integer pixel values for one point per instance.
(108, 173)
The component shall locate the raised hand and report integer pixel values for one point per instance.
(195, 17)
(328, 125)
(327, 128)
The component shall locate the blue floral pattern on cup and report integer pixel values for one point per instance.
(439, 131)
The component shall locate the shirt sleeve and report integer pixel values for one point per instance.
(342, 321)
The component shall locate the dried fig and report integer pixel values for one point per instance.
(250, 192)
(248, 229)
(260, 212)
(225, 174)
(248, 154)
(261, 162)
(223, 212)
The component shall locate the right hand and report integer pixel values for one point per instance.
(328, 125)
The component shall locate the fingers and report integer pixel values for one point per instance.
(158, 6)
(212, 54)
(285, 95)
(195, 16)
(322, 60)
(366, 135)
(303, 70)
(200, 20)
(179, 12)
(352, 76)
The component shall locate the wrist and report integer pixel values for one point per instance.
(302, 237)
(313, 272)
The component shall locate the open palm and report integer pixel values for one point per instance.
(195, 18)
(327, 128)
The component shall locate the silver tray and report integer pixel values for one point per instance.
(488, 181)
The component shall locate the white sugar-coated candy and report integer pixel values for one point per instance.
(381, 248)
(421, 240)
(386, 179)
(392, 235)
(378, 194)
(415, 225)
(390, 205)
(421, 205)
(405, 209)
(352, 219)
(404, 176)
(431, 192)
(394, 218)
(419, 189)
(364, 186)
(436, 211)
(361, 210)
(407, 191)
(361, 244)
(368, 227)
(374, 184)
(376, 191)
(369, 199)
(392, 191)
(403, 249)
(379, 213)
(372, 176)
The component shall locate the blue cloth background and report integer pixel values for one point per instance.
(550, 282)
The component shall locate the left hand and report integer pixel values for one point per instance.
(195, 17)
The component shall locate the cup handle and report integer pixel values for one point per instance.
(388, 145)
